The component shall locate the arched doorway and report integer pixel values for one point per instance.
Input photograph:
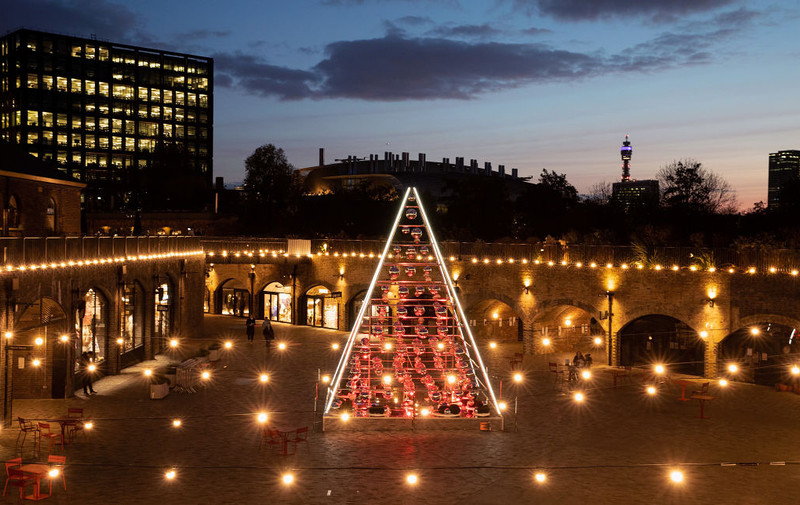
(561, 331)
(764, 352)
(494, 320)
(354, 307)
(662, 339)
(277, 302)
(132, 323)
(233, 298)
(322, 307)
(40, 370)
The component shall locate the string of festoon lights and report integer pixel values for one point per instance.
(263, 253)
(78, 263)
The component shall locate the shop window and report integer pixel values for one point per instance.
(322, 308)
(277, 302)
(132, 326)
(91, 324)
(163, 297)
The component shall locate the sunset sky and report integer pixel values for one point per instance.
(530, 84)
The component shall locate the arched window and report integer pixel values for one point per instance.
(13, 212)
(50, 216)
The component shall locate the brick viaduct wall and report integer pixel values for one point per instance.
(739, 298)
(63, 288)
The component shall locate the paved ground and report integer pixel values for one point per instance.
(617, 447)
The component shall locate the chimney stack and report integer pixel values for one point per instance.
(322, 156)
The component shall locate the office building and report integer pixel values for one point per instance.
(784, 166)
(106, 113)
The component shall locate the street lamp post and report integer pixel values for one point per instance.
(610, 296)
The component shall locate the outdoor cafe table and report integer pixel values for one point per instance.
(702, 399)
(683, 383)
(37, 470)
(64, 422)
(619, 372)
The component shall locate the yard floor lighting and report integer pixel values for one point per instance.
(262, 417)
(228, 344)
(578, 397)
(345, 417)
(176, 423)
(733, 368)
(39, 341)
(546, 342)
(92, 367)
(326, 379)
(795, 370)
(598, 341)
(206, 375)
(586, 374)
(53, 473)
(335, 347)
(659, 369)
(282, 346)
(36, 362)
(64, 338)
(651, 390)
(173, 343)
(170, 474)
(287, 478)
(502, 405)
(492, 345)
(88, 425)
(676, 476)
(148, 372)
(120, 341)
(540, 477)
(412, 478)
(263, 377)
(723, 382)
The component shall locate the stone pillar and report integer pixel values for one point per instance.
(711, 356)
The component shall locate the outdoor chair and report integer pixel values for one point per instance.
(271, 438)
(58, 462)
(52, 438)
(300, 436)
(16, 477)
(74, 429)
(26, 427)
(703, 391)
(558, 374)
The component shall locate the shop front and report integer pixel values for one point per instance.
(162, 316)
(132, 324)
(277, 302)
(322, 307)
(234, 299)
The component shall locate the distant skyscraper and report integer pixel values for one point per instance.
(784, 166)
(102, 112)
(630, 193)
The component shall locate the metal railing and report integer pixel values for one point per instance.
(760, 258)
(27, 250)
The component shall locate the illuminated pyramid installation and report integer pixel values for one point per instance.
(410, 357)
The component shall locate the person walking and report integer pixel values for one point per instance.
(87, 368)
(268, 332)
(250, 328)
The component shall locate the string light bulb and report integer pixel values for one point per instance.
(39, 341)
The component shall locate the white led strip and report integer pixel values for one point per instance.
(340, 368)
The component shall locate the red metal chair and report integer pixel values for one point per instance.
(272, 438)
(300, 436)
(16, 477)
(58, 462)
(26, 427)
(44, 432)
(74, 429)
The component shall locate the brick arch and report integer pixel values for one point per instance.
(314, 283)
(260, 287)
(557, 302)
(475, 301)
(769, 318)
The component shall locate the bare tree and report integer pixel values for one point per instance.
(687, 185)
(600, 193)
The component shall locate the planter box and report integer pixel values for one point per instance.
(158, 391)
(213, 355)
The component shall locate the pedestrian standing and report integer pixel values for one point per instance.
(250, 328)
(268, 332)
(87, 369)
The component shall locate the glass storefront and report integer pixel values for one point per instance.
(278, 302)
(163, 297)
(132, 317)
(91, 324)
(322, 308)
(235, 302)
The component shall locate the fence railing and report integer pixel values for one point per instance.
(760, 258)
(27, 250)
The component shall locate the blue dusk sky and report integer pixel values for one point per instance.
(530, 84)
